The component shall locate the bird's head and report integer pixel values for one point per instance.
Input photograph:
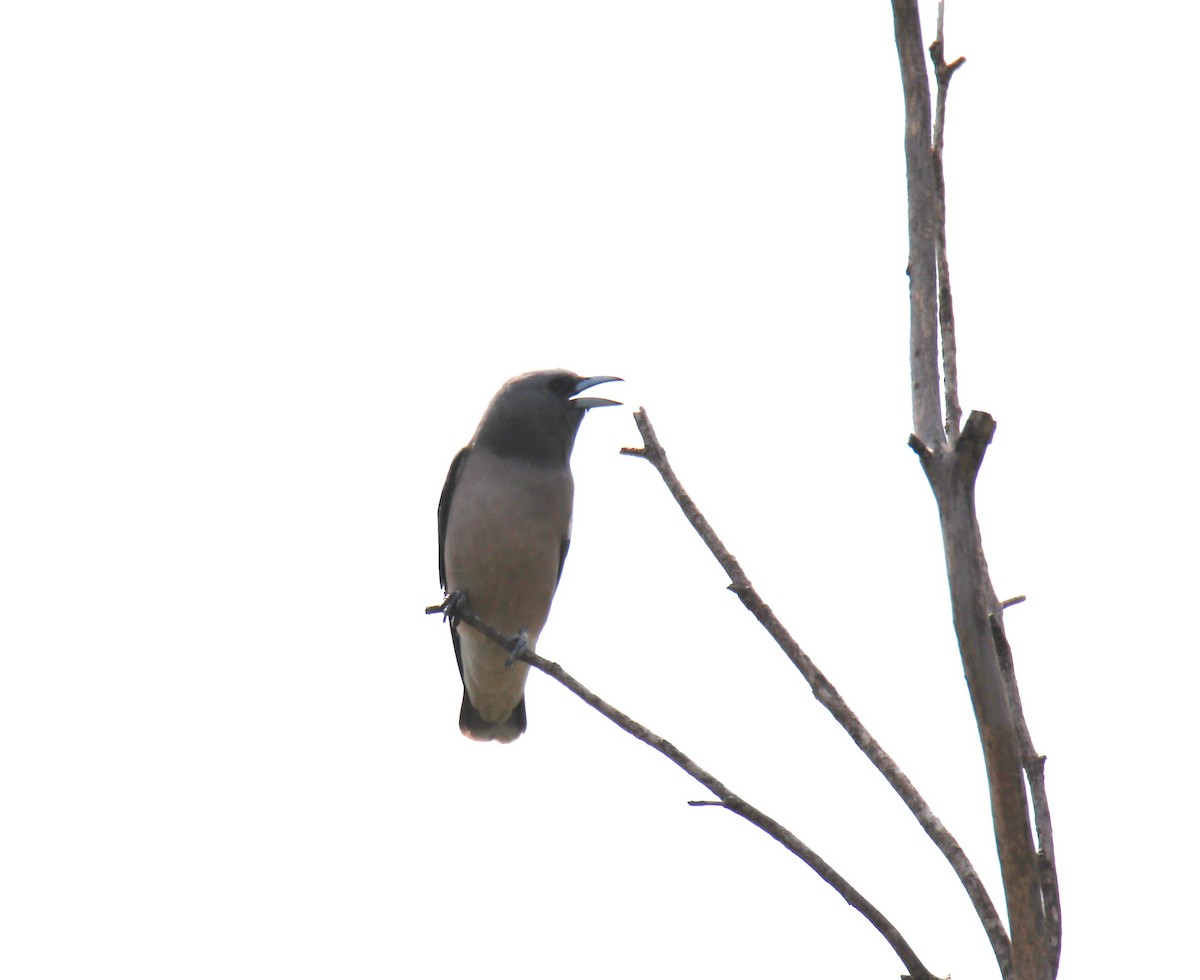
(535, 416)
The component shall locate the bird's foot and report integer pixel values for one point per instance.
(450, 608)
(517, 648)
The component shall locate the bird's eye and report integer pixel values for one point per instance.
(562, 386)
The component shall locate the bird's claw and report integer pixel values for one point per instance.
(454, 603)
(517, 648)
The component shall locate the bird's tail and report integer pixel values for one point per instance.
(472, 724)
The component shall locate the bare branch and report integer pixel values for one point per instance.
(827, 694)
(943, 72)
(1035, 773)
(456, 608)
(922, 265)
(951, 464)
(952, 474)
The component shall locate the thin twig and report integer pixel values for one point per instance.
(827, 694)
(943, 73)
(458, 609)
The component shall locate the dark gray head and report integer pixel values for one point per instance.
(535, 416)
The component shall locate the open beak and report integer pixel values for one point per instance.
(590, 402)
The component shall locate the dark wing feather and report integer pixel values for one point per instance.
(443, 517)
(562, 556)
(444, 509)
(458, 656)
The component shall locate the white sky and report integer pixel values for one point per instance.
(262, 267)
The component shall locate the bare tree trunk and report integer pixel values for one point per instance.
(951, 463)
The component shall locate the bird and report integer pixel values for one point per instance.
(504, 527)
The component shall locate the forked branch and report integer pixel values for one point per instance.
(951, 462)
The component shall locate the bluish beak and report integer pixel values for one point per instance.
(584, 384)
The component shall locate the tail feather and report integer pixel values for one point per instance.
(472, 724)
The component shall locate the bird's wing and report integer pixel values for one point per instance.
(443, 517)
(562, 555)
(444, 509)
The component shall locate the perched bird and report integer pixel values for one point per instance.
(504, 525)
